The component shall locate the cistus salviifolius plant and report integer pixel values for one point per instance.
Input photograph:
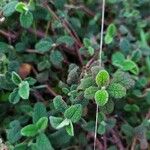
(59, 64)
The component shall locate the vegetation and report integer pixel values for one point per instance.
(52, 78)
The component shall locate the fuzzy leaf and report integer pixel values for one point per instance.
(101, 97)
(110, 33)
(136, 55)
(108, 107)
(63, 124)
(65, 39)
(39, 111)
(43, 45)
(117, 59)
(42, 142)
(13, 133)
(55, 121)
(111, 30)
(59, 104)
(86, 42)
(123, 78)
(16, 78)
(89, 93)
(70, 129)
(42, 123)
(29, 130)
(74, 113)
(56, 58)
(86, 82)
(21, 7)
(9, 8)
(129, 65)
(24, 90)
(26, 19)
(102, 78)
(14, 97)
(116, 90)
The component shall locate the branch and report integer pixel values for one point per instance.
(70, 30)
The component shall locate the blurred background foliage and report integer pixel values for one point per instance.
(53, 45)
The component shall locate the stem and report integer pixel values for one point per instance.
(102, 31)
(96, 125)
(100, 60)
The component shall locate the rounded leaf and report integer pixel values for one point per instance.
(42, 123)
(24, 90)
(16, 78)
(102, 78)
(14, 97)
(29, 130)
(26, 19)
(74, 113)
(101, 97)
(117, 90)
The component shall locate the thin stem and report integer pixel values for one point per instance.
(102, 31)
(96, 123)
(100, 60)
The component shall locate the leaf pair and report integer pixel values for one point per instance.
(23, 89)
(26, 17)
(102, 80)
(72, 115)
(110, 33)
(119, 60)
(33, 129)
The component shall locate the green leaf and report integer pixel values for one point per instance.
(55, 121)
(91, 50)
(42, 142)
(45, 64)
(21, 7)
(101, 128)
(74, 113)
(131, 108)
(110, 33)
(86, 42)
(123, 78)
(56, 58)
(68, 40)
(24, 90)
(14, 97)
(127, 130)
(136, 55)
(129, 65)
(21, 146)
(101, 97)
(86, 82)
(111, 30)
(42, 123)
(108, 107)
(26, 19)
(30, 80)
(13, 133)
(102, 78)
(16, 78)
(9, 8)
(108, 39)
(70, 129)
(117, 59)
(89, 93)
(39, 111)
(116, 90)
(59, 104)
(63, 124)
(43, 45)
(29, 130)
